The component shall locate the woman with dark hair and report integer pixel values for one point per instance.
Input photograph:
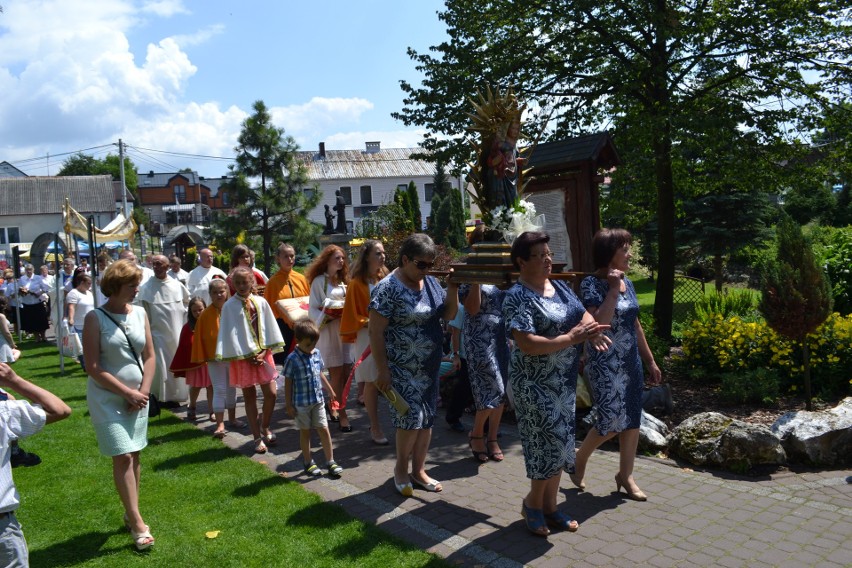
(406, 338)
(241, 255)
(120, 361)
(328, 277)
(368, 269)
(616, 376)
(548, 325)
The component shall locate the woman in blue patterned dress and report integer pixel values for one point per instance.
(405, 338)
(548, 324)
(616, 376)
(487, 351)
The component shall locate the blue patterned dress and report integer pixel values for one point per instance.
(486, 347)
(413, 339)
(616, 375)
(544, 387)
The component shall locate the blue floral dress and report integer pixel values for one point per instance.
(413, 339)
(486, 347)
(616, 375)
(544, 387)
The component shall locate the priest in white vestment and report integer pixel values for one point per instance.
(165, 300)
(200, 276)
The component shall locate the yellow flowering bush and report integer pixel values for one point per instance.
(718, 345)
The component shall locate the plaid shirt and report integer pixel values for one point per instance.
(303, 370)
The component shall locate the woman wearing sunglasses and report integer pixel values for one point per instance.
(405, 338)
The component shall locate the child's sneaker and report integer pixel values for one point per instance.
(333, 468)
(313, 469)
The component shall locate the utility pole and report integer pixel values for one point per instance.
(121, 173)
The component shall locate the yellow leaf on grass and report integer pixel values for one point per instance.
(212, 534)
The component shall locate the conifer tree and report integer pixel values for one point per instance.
(414, 205)
(796, 295)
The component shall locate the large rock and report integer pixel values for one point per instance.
(713, 439)
(652, 434)
(818, 437)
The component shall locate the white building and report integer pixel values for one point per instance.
(31, 208)
(368, 178)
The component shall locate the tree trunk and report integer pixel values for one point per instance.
(718, 268)
(806, 364)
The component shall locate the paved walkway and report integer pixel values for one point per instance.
(692, 518)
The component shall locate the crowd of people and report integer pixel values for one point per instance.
(158, 338)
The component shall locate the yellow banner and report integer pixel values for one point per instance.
(119, 229)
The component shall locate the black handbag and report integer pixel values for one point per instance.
(153, 403)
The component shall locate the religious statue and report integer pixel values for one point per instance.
(329, 221)
(496, 175)
(340, 207)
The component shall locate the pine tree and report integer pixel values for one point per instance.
(414, 204)
(402, 199)
(796, 295)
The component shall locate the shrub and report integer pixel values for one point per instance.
(834, 251)
(758, 386)
(659, 347)
(733, 302)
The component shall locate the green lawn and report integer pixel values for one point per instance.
(191, 484)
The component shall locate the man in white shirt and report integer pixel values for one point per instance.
(201, 275)
(34, 317)
(165, 300)
(175, 270)
(19, 419)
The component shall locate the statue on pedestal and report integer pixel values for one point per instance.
(340, 207)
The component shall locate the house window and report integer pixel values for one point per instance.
(9, 235)
(180, 193)
(309, 192)
(346, 192)
(364, 211)
(225, 200)
(366, 194)
(429, 188)
(204, 198)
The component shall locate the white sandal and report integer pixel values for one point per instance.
(142, 540)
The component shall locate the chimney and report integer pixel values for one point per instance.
(374, 147)
(322, 150)
(150, 173)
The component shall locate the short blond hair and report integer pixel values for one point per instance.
(118, 274)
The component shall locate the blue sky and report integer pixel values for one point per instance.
(181, 75)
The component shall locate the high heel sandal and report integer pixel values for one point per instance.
(634, 495)
(142, 540)
(577, 480)
(535, 520)
(559, 520)
(481, 457)
(495, 456)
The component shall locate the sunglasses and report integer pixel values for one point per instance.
(423, 265)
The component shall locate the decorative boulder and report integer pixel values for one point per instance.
(652, 434)
(822, 438)
(713, 439)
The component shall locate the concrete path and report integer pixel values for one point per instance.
(691, 518)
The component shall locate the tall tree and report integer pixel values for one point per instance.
(796, 298)
(267, 190)
(403, 199)
(590, 63)
(85, 165)
(414, 204)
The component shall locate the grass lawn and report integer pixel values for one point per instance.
(191, 484)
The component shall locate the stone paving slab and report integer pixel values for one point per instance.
(692, 517)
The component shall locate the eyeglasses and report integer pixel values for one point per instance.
(542, 255)
(423, 265)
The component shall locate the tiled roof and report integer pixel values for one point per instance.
(39, 195)
(358, 164)
(116, 189)
(154, 179)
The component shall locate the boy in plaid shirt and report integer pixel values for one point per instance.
(303, 384)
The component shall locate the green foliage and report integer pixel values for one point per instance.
(267, 192)
(810, 203)
(758, 386)
(85, 165)
(402, 199)
(414, 204)
(796, 296)
(717, 345)
(732, 302)
(390, 218)
(659, 347)
(833, 248)
(448, 216)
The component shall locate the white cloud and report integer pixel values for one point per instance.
(165, 8)
(200, 37)
(318, 114)
(389, 139)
